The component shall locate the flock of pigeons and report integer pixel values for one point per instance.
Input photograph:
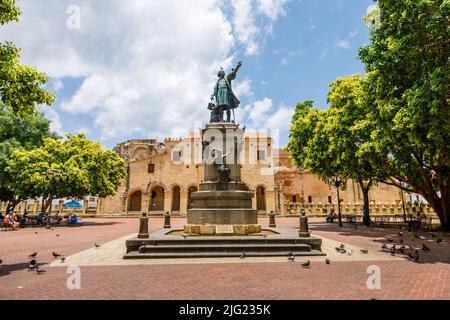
(33, 266)
(401, 247)
(291, 258)
(394, 249)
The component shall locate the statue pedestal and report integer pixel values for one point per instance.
(222, 230)
(221, 202)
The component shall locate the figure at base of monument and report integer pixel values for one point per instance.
(223, 173)
(216, 113)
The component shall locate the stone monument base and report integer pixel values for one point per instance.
(271, 242)
(222, 230)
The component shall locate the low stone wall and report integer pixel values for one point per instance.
(318, 209)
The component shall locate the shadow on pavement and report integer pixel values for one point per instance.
(439, 252)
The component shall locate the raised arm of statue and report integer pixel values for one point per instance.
(226, 155)
(234, 71)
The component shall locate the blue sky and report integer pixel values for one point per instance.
(146, 69)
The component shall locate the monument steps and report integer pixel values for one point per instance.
(221, 241)
(168, 255)
(226, 248)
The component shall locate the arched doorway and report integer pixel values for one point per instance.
(134, 201)
(190, 191)
(176, 198)
(260, 198)
(157, 199)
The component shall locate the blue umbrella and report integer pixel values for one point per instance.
(73, 204)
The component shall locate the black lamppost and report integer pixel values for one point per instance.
(278, 191)
(337, 182)
(55, 179)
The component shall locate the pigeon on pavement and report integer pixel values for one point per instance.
(40, 271)
(32, 265)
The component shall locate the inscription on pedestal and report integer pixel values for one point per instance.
(224, 230)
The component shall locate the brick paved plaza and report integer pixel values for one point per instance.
(252, 278)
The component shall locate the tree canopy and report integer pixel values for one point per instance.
(18, 132)
(90, 170)
(8, 11)
(407, 62)
(21, 86)
(393, 125)
(330, 143)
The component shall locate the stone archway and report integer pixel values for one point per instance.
(190, 191)
(157, 199)
(260, 198)
(135, 201)
(176, 199)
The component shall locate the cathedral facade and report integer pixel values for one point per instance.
(161, 176)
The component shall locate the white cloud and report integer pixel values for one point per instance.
(343, 44)
(324, 52)
(354, 33)
(248, 33)
(57, 85)
(244, 25)
(263, 116)
(53, 116)
(272, 8)
(243, 88)
(284, 61)
(147, 67)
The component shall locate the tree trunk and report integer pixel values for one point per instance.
(8, 207)
(442, 208)
(366, 210)
(47, 203)
(12, 204)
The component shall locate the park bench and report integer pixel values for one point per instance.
(426, 224)
(351, 218)
(379, 221)
(5, 226)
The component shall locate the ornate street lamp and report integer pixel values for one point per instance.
(278, 191)
(337, 182)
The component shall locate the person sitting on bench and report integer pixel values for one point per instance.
(73, 220)
(39, 218)
(11, 220)
(331, 216)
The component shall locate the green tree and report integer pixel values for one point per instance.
(311, 147)
(90, 170)
(350, 127)
(329, 143)
(20, 85)
(17, 132)
(407, 62)
(8, 11)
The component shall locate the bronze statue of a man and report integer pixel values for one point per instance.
(223, 93)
